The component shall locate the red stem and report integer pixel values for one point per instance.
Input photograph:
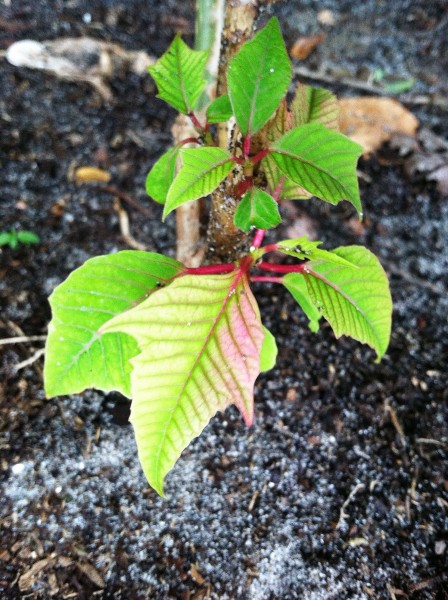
(210, 269)
(270, 248)
(260, 156)
(275, 268)
(238, 160)
(195, 121)
(267, 279)
(278, 190)
(258, 238)
(190, 140)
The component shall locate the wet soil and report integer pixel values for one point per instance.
(340, 489)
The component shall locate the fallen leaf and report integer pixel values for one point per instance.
(303, 46)
(91, 174)
(371, 121)
(90, 571)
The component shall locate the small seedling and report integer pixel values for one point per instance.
(13, 238)
(186, 342)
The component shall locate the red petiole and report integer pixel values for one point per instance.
(276, 268)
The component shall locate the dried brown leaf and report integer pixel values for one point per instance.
(371, 121)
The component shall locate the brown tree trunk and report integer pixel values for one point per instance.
(225, 242)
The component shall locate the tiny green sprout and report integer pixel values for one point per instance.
(183, 342)
(13, 238)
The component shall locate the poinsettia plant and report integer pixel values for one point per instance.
(186, 342)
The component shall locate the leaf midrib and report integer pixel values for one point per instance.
(337, 289)
(311, 164)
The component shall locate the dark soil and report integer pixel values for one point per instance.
(340, 489)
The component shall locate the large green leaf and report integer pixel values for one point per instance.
(202, 171)
(162, 174)
(296, 285)
(258, 78)
(200, 340)
(320, 160)
(257, 209)
(312, 104)
(355, 301)
(179, 75)
(77, 356)
(220, 110)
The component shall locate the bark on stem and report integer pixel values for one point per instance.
(225, 242)
(209, 23)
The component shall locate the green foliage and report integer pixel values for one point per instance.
(219, 110)
(200, 341)
(179, 75)
(258, 78)
(355, 301)
(77, 356)
(322, 161)
(187, 342)
(296, 284)
(257, 209)
(314, 105)
(13, 238)
(268, 354)
(304, 249)
(202, 171)
(162, 175)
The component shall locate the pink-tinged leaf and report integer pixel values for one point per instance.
(200, 341)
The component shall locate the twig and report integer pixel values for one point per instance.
(395, 422)
(23, 339)
(110, 189)
(29, 361)
(365, 86)
(360, 487)
(123, 220)
(413, 279)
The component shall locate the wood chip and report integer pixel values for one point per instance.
(27, 580)
(89, 571)
(195, 575)
(91, 175)
(303, 47)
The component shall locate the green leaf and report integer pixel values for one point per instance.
(200, 341)
(268, 354)
(161, 176)
(273, 130)
(5, 238)
(28, 237)
(220, 110)
(258, 78)
(296, 285)
(202, 171)
(355, 301)
(320, 160)
(314, 105)
(179, 75)
(257, 209)
(305, 249)
(309, 105)
(77, 356)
